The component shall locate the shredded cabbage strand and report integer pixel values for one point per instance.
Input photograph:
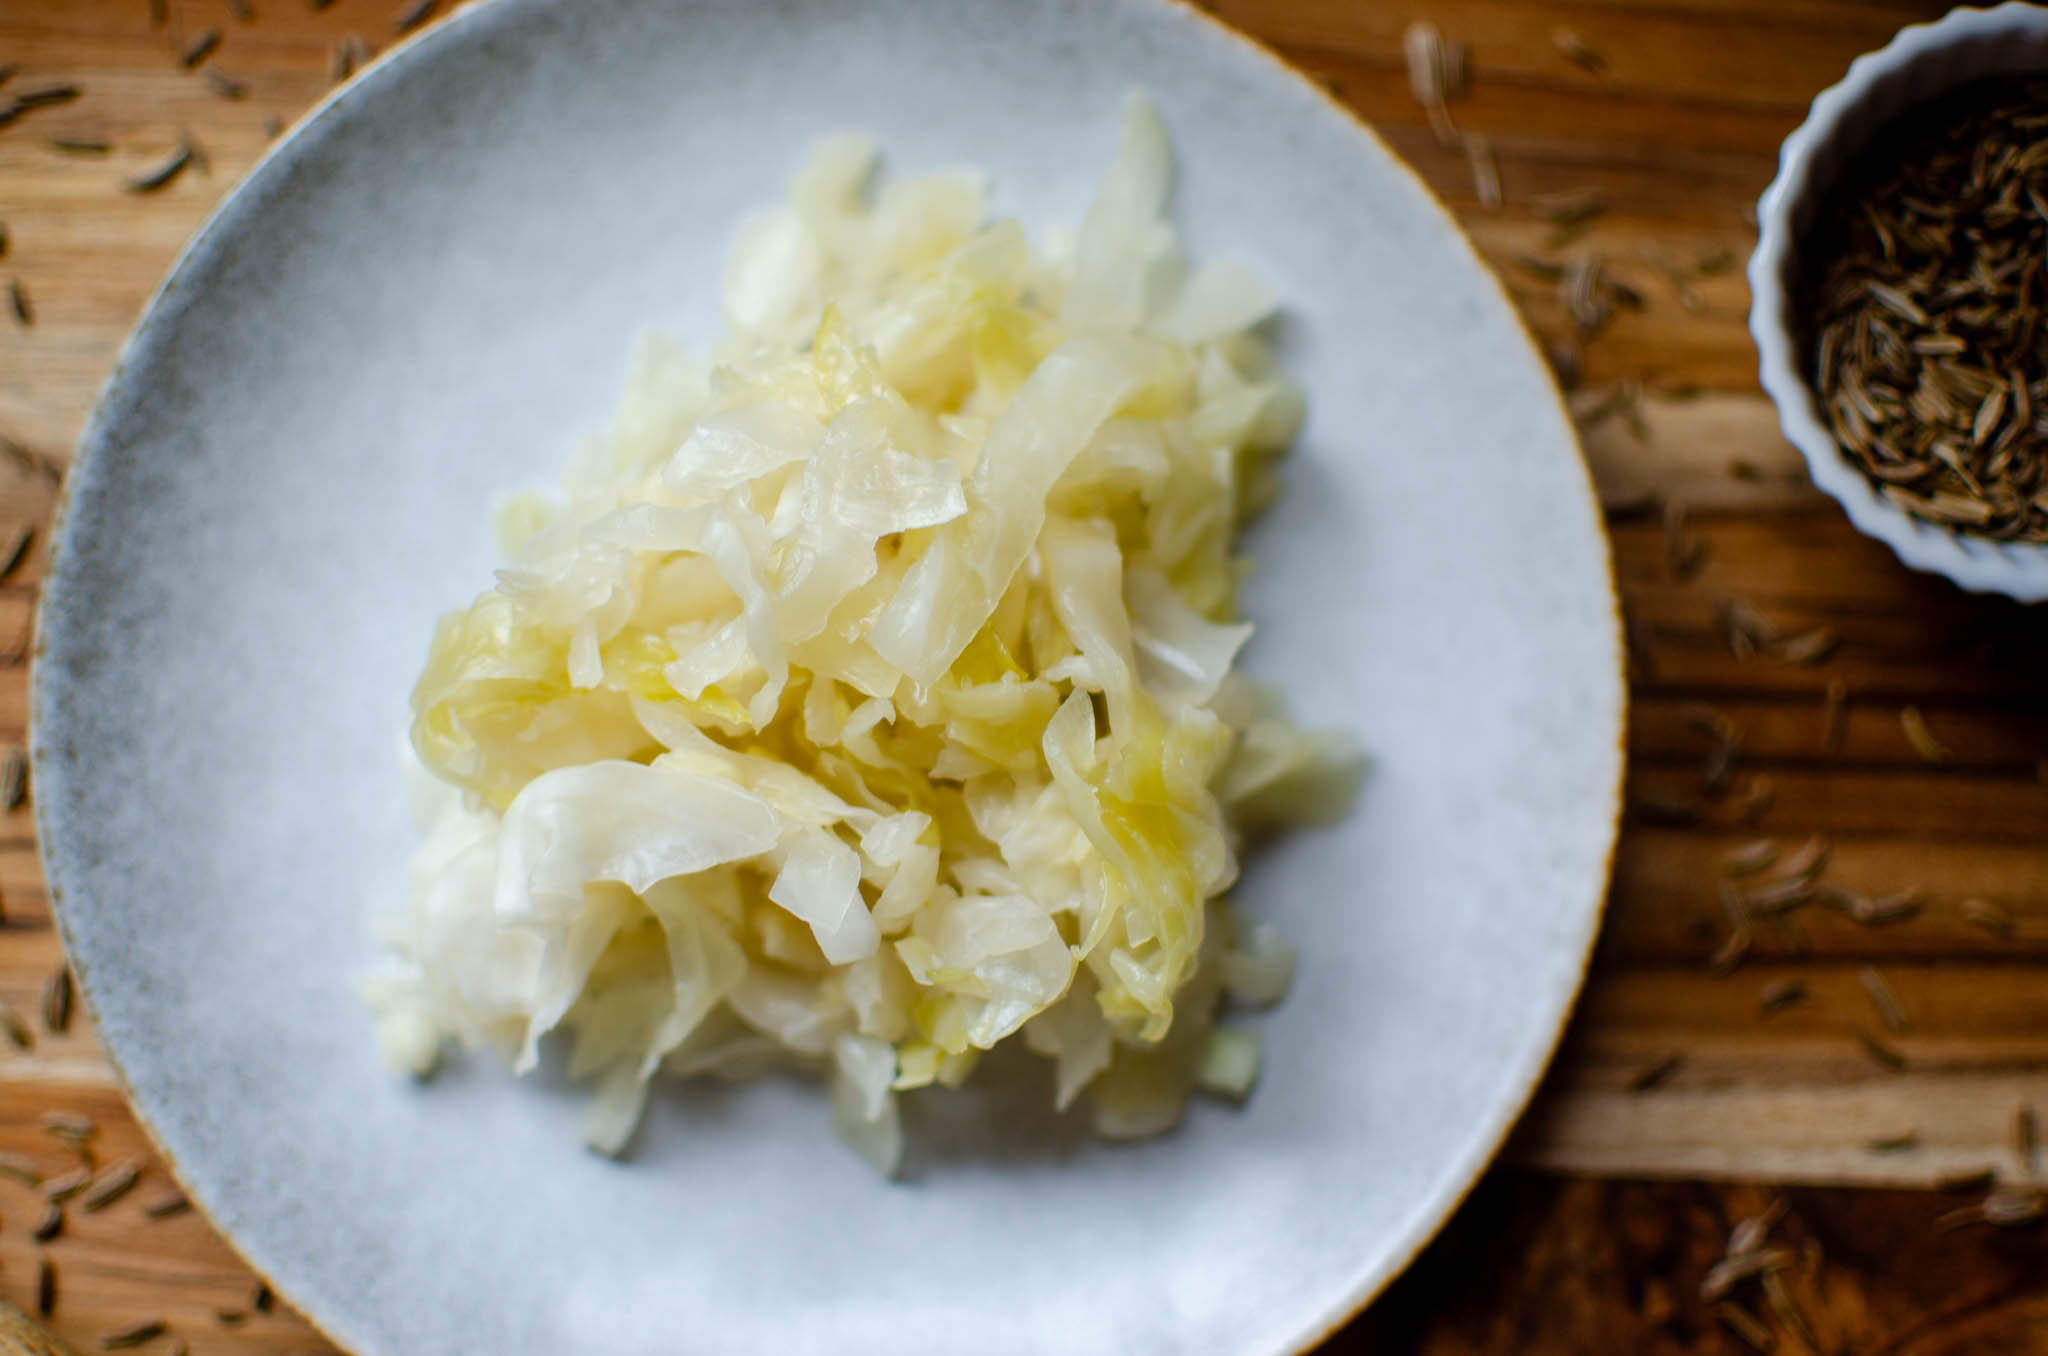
(866, 697)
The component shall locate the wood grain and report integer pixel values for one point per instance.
(1678, 134)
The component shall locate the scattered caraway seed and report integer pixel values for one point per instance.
(1922, 739)
(243, 11)
(1834, 716)
(1810, 859)
(18, 1034)
(1746, 1327)
(113, 1182)
(135, 1335)
(1422, 44)
(13, 780)
(413, 15)
(17, 297)
(1750, 1231)
(14, 548)
(317, 5)
(69, 1125)
(81, 146)
(51, 1224)
(159, 13)
(1674, 277)
(223, 84)
(1577, 50)
(1741, 935)
(1780, 994)
(1778, 896)
(1485, 171)
(1756, 800)
(231, 1317)
(3, 241)
(1655, 1074)
(2025, 1137)
(1715, 262)
(1880, 1050)
(344, 59)
(199, 49)
(57, 995)
(28, 459)
(1982, 913)
(262, 1300)
(1884, 1000)
(2008, 1206)
(1583, 296)
(1638, 426)
(1779, 1297)
(1810, 647)
(21, 1169)
(1617, 399)
(7, 72)
(163, 175)
(1747, 471)
(1719, 769)
(1736, 1268)
(46, 1287)
(1569, 209)
(166, 1206)
(1891, 908)
(272, 125)
(1749, 858)
(50, 96)
(1904, 1142)
(1683, 552)
(1747, 629)
(1705, 720)
(61, 1189)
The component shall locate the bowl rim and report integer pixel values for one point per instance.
(2017, 569)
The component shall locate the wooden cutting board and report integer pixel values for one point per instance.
(1676, 132)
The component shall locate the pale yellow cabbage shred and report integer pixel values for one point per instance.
(864, 698)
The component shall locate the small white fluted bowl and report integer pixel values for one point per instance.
(1920, 64)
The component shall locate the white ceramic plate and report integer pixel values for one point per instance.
(419, 300)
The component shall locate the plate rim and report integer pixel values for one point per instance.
(1461, 1176)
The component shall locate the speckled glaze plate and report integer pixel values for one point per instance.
(420, 299)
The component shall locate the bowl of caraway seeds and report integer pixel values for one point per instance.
(1900, 287)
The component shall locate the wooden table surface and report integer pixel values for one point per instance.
(1616, 1197)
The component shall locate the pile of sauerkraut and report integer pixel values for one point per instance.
(865, 698)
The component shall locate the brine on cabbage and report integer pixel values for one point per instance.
(866, 697)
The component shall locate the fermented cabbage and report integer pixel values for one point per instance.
(866, 698)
